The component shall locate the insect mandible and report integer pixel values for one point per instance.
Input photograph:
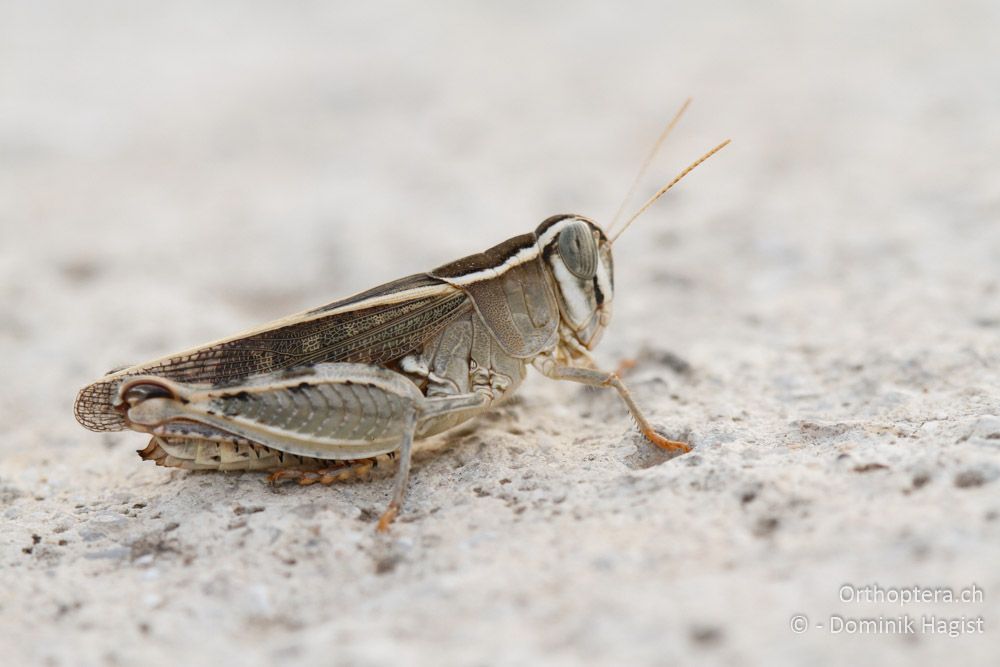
(326, 394)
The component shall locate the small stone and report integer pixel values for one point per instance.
(146, 559)
(973, 477)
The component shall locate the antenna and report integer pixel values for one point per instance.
(662, 191)
(649, 159)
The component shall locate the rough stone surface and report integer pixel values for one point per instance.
(817, 309)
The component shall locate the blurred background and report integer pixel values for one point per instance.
(171, 173)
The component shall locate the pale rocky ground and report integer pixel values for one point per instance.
(817, 310)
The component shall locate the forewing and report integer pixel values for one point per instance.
(376, 327)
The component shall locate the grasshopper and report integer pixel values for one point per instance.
(327, 394)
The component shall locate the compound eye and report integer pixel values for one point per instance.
(579, 250)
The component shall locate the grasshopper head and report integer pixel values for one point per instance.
(577, 254)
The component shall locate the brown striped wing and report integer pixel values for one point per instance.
(375, 327)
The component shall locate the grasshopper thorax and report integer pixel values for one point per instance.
(577, 255)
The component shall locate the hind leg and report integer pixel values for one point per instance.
(329, 418)
(402, 473)
(419, 414)
(335, 471)
(429, 409)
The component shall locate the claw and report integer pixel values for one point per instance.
(279, 475)
(388, 516)
(666, 443)
(303, 477)
(625, 366)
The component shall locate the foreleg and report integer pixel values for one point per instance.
(598, 378)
